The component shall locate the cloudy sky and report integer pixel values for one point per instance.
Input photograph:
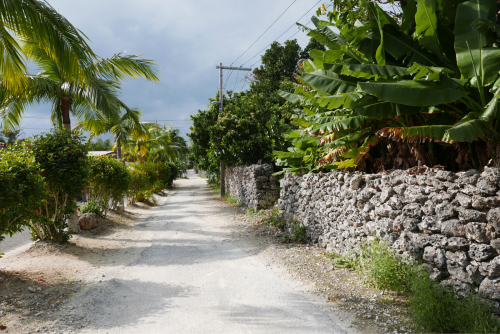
(187, 40)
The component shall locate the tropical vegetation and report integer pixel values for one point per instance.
(252, 123)
(396, 90)
(42, 176)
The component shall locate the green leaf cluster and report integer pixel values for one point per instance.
(22, 189)
(398, 91)
(62, 160)
(108, 182)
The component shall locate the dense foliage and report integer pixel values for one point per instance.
(22, 189)
(108, 182)
(421, 89)
(252, 123)
(62, 162)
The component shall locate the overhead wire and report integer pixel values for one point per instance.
(264, 32)
(258, 53)
(236, 81)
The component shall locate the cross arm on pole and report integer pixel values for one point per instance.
(234, 68)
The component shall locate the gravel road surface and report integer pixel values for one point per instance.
(191, 277)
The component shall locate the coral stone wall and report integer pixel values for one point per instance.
(449, 220)
(252, 186)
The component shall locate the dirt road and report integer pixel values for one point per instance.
(193, 278)
(190, 264)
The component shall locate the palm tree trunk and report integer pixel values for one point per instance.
(72, 221)
(119, 150)
(65, 105)
(119, 157)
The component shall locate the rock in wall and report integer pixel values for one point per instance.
(252, 186)
(449, 220)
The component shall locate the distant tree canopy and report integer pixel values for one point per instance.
(252, 124)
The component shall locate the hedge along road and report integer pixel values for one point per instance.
(193, 278)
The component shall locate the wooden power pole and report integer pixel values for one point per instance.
(221, 110)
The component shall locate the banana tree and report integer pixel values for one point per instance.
(432, 76)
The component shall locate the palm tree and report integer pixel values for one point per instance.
(36, 20)
(99, 97)
(157, 143)
(119, 125)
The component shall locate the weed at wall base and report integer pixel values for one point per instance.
(434, 307)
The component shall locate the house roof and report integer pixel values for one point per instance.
(100, 153)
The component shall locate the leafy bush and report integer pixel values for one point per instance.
(174, 171)
(108, 182)
(141, 187)
(92, 207)
(277, 220)
(62, 162)
(164, 175)
(22, 189)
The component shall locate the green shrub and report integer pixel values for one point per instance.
(174, 171)
(22, 190)
(383, 269)
(436, 309)
(91, 207)
(164, 175)
(62, 159)
(108, 182)
(298, 233)
(141, 188)
(277, 220)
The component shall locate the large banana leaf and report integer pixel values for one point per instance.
(468, 128)
(329, 82)
(473, 58)
(399, 45)
(426, 20)
(289, 96)
(369, 71)
(338, 39)
(343, 123)
(333, 101)
(328, 56)
(416, 133)
(412, 93)
(386, 110)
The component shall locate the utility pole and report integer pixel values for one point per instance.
(221, 110)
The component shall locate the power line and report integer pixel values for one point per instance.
(230, 73)
(236, 81)
(258, 53)
(146, 120)
(264, 32)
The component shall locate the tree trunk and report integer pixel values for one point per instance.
(65, 105)
(121, 205)
(72, 221)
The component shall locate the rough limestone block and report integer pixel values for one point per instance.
(481, 252)
(476, 232)
(453, 228)
(490, 288)
(89, 221)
